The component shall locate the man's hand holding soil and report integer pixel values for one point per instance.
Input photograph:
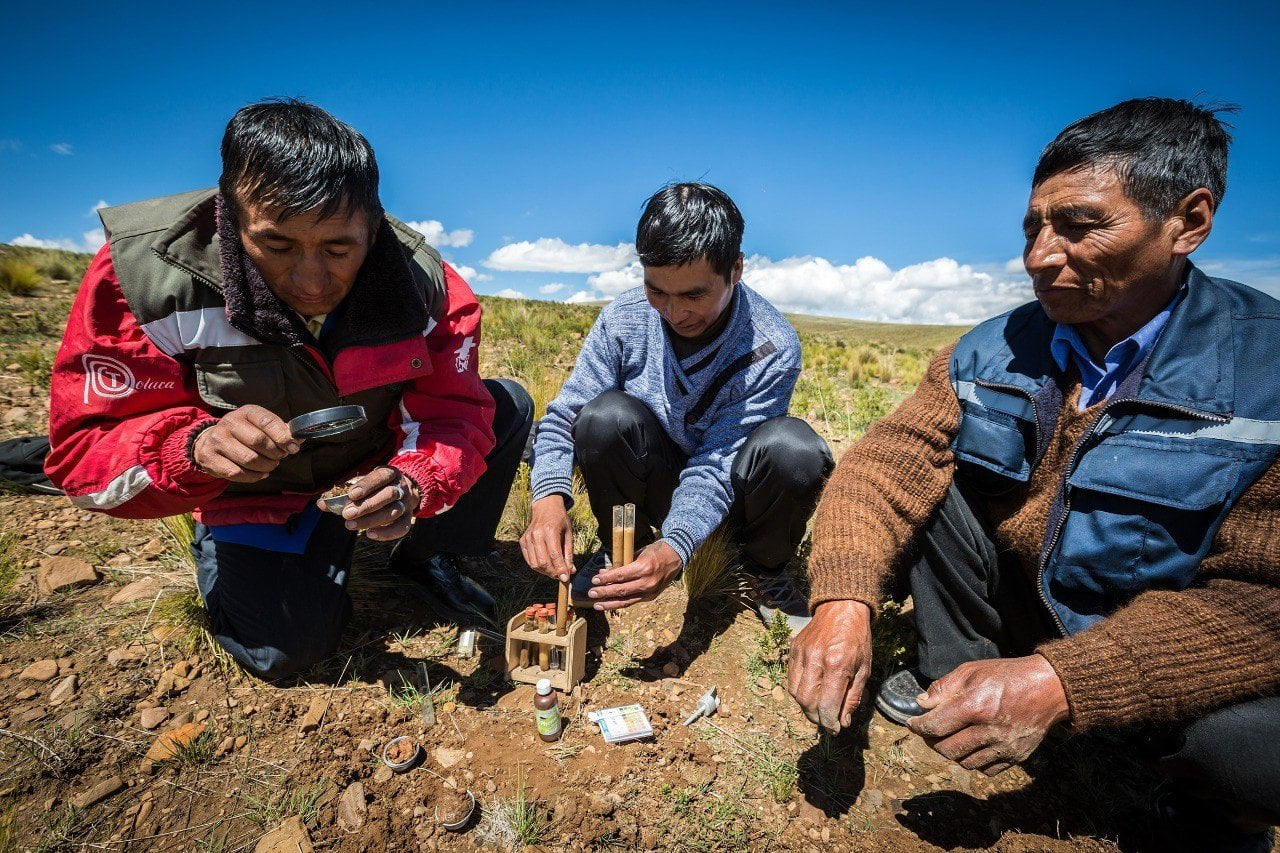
(830, 662)
(990, 714)
(382, 504)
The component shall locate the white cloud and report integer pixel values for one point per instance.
(93, 211)
(90, 241)
(614, 282)
(508, 293)
(63, 148)
(937, 291)
(10, 145)
(548, 289)
(434, 231)
(1014, 266)
(551, 254)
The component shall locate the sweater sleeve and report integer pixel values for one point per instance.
(884, 489)
(598, 368)
(1172, 656)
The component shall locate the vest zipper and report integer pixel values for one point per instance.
(1066, 495)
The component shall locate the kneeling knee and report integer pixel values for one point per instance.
(604, 421)
(793, 451)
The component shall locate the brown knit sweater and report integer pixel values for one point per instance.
(1165, 657)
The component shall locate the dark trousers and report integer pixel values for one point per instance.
(970, 605)
(627, 457)
(278, 613)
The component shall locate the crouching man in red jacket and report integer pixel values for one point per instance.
(214, 317)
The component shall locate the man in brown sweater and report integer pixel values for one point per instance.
(1082, 496)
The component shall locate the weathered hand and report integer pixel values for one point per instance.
(382, 504)
(640, 580)
(830, 662)
(244, 446)
(990, 714)
(547, 544)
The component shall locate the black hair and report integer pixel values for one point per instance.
(684, 222)
(1162, 149)
(288, 153)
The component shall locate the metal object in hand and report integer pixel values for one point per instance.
(323, 423)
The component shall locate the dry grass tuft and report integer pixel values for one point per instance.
(20, 278)
(708, 572)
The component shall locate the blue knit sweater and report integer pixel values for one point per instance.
(708, 403)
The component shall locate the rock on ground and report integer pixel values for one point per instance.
(289, 837)
(41, 670)
(59, 573)
(138, 590)
(65, 690)
(352, 807)
(98, 792)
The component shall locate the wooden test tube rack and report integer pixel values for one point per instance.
(574, 643)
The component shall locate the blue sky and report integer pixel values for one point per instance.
(881, 156)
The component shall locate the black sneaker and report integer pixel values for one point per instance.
(1183, 823)
(458, 591)
(580, 583)
(896, 698)
(774, 593)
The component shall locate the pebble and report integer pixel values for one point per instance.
(27, 693)
(383, 775)
(671, 669)
(65, 690)
(138, 590)
(182, 720)
(181, 669)
(368, 745)
(122, 657)
(226, 745)
(241, 741)
(202, 715)
(41, 670)
(98, 792)
(315, 714)
(352, 807)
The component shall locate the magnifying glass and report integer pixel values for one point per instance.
(323, 423)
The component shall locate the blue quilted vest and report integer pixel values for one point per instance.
(1160, 466)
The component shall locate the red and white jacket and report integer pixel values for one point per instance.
(124, 404)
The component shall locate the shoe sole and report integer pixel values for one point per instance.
(892, 714)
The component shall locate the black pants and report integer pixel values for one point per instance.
(278, 613)
(627, 457)
(970, 606)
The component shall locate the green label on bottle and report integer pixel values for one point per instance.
(548, 720)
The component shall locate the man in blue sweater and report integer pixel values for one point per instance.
(678, 404)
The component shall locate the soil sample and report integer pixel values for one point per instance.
(453, 807)
(544, 651)
(547, 712)
(401, 751)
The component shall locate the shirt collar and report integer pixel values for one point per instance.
(1066, 343)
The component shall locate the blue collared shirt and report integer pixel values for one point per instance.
(1099, 382)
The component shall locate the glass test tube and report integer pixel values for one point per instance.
(629, 532)
(619, 516)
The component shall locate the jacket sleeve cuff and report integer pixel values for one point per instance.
(1099, 678)
(176, 463)
(549, 486)
(840, 580)
(682, 543)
